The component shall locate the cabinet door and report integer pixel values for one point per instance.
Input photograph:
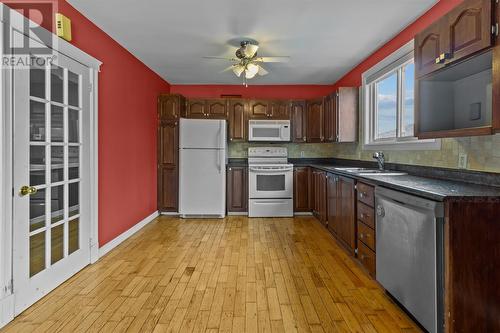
(330, 118)
(346, 111)
(259, 109)
(347, 228)
(170, 107)
(429, 45)
(469, 27)
(196, 108)
(299, 121)
(237, 189)
(280, 109)
(315, 114)
(333, 209)
(217, 108)
(168, 156)
(322, 180)
(301, 189)
(237, 120)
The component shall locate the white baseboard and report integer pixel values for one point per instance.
(302, 213)
(6, 310)
(170, 213)
(122, 237)
(237, 213)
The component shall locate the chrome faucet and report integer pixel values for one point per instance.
(379, 156)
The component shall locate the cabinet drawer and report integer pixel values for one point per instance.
(366, 194)
(366, 214)
(366, 235)
(367, 258)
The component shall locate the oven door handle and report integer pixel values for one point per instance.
(254, 169)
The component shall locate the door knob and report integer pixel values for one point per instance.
(27, 190)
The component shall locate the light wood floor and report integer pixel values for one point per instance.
(237, 274)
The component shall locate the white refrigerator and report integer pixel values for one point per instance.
(202, 168)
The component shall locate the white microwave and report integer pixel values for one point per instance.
(269, 130)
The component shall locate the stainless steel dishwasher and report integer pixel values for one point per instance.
(409, 243)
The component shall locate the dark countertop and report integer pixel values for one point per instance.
(431, 188)
(421, 181)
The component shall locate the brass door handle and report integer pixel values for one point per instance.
(27, 190)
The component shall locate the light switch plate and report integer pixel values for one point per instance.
(462, 161)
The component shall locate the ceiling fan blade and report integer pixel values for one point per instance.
(272, 59)
(262, 71)
(250, 50)
(222, 58)
(227, 69)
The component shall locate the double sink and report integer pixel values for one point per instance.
(370, 172)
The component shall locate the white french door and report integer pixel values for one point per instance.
(51, 176)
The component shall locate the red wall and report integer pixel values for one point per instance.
(253, 91)
(353, 78)
(128, 93)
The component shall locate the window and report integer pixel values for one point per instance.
(388, 104)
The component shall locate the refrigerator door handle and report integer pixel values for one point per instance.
(219, 166)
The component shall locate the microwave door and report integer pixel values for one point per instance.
(265, 133)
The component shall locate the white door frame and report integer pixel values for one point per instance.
(6, 146)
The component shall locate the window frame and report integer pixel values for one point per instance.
(394, 63)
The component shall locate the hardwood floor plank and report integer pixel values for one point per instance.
(220, 275)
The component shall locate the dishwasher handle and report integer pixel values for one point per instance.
(435, 207)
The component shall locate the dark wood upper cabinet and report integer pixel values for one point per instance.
(315, 118)
(259, 109)
(301, 189)
(170, 107)
(299, 121)
(217, 108)
(429, 45)
(237, 189)
(237, 120)
(465, 30)
(469, 28)
(346, 108)
(279, 109)
(196, 108)
(199, 108)
(330, 122)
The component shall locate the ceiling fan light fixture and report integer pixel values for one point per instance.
(238, 69)
(252, 68)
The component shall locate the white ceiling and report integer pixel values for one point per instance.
(324, 38)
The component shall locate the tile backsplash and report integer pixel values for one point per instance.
(483, 153)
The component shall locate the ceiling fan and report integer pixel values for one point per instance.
(248, 63)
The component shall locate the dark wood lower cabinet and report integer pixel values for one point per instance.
(319, 180)
(301, 189)
(237, 189)
(341, 208)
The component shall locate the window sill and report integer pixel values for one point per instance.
(430, 144)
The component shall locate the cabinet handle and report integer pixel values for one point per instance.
(230, 139)
(230, 169)
(362, 194)
(361, 236)
(362, 215)
(305, 139)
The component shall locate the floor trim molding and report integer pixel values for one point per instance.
(103, 250)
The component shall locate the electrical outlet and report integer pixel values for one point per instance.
(302, 154)
(462, 161)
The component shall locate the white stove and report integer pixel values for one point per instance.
(270, 182)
